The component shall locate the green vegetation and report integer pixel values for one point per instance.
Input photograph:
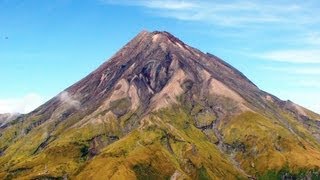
(286, 174)
(146, 172)
(202, 174)
(280, 148)
(169, 142)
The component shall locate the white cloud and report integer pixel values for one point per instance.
(23, 105)
(171, 5)
(311, 38)
(309, 83)
(66, 98)
(155, 4)
(292, 56)
(31, 101)
(229, 13)
(296, 70)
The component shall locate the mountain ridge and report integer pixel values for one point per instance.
(160, 108)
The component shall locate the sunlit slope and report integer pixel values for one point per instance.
(165, 143)
(161, 109)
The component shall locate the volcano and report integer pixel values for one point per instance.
(160, 109)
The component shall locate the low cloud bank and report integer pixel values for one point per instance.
(21, 105)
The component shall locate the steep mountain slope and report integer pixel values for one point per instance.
(162, 109)
(6, 118)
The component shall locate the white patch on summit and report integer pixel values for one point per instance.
(155, 37)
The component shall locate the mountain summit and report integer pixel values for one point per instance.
(160, 109)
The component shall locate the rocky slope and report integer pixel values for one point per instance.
(162, 109)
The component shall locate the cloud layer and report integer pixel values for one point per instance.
(230, 13)
(300, 19)
(31, 101)
(293, 56)
(23, 105)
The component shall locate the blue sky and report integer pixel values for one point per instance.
(46, 46)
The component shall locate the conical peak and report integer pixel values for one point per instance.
(143, 33)
(167, 36)
(153, 33)
(153, 50)
(163, 33)
(158, 37)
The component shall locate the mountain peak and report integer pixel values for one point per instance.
(160, 100)
(152, 61)
(152, 33)
(156, 37)
(143, 33)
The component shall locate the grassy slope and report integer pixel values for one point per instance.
(271, 147)
(166, 143)
(148, 147)
(146, 151)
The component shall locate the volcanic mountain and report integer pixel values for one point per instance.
(160, 109)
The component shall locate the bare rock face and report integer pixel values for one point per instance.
(159, 109)
(150, 72)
